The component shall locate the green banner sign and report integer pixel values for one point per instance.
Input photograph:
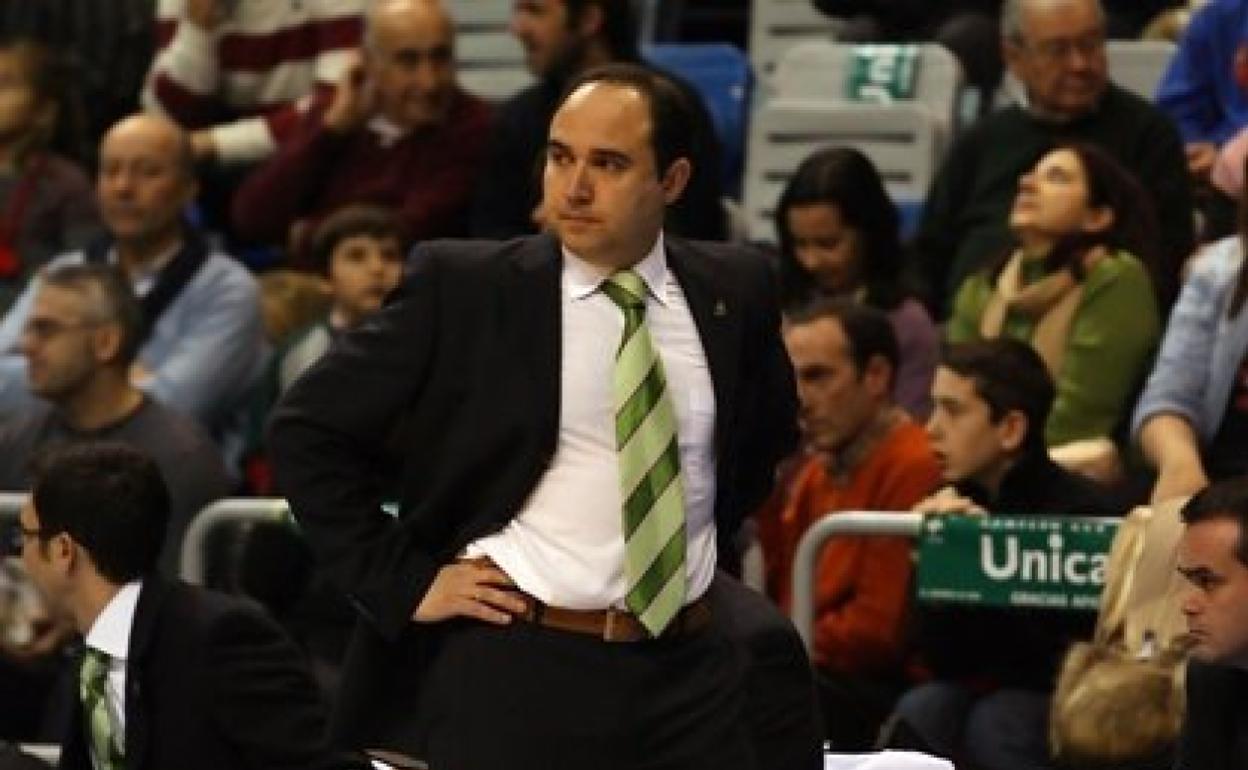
(1004, 561)
(882, 73)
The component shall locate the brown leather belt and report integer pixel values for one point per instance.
(613, 625)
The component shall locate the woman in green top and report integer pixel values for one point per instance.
(1077, 287)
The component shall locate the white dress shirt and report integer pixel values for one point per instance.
(566, 545)
(110, 634)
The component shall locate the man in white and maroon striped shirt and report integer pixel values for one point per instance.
(233, 71)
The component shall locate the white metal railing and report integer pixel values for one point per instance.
(11, 504)
(232, 510)
(840, 524)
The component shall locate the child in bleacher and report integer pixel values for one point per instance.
(360, 251)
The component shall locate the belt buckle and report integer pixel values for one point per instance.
(609, 625)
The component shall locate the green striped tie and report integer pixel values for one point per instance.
(645, 436)
(102, 734)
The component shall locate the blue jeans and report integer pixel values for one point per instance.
(1003, 730)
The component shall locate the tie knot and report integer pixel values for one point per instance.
(95, 664)
(626, 289)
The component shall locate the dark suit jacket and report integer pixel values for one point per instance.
(212, 682)
(465, 361)
(1215, 728)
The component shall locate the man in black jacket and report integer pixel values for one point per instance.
(563, 38)
(1213, 557)
(994, 668)
(502, 621)
(171, 675)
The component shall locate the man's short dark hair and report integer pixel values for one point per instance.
(868, 330)
(110, 498)
(673, 126)
(109, 300)
(1222, 500)
(1009, 376)
(619, 25)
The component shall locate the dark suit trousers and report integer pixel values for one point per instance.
(523, 697)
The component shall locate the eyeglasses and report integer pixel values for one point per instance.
(13, 539)
(44, 329)
(1060, 48)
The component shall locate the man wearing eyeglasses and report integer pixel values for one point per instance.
(171, 675)
(1055, 49)
(79, 343)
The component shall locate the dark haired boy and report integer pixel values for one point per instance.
(994, 669)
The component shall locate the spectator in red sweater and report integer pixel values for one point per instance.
(864, 453)
(398, 132)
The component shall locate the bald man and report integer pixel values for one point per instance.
(203, 343)
(398, 132)
(1056, 51)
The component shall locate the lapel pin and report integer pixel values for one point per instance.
(720, 308)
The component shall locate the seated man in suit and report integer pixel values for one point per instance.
(541, 599)
(172, 676)
(1213, 559)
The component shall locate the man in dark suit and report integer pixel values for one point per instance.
(1213, 556)
(172, 676)
(507, 623)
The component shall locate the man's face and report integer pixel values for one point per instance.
(601, 191)
(142, 185)
(837, 400)
(45, 571)
(542, 27)
(966, 442)
(20, 107)
(363, 269)
(411, 63)
(61, 344)
(1060, 58)
(1216, 602)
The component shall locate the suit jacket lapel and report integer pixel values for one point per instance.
(537, 330)
(142, 633)
(719, 325)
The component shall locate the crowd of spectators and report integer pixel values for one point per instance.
(1057, 260)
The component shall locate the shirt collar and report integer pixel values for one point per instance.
(110, 633)
(387, 131)
(145, 277)
(583, 278)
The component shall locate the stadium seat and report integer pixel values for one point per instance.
(1138, 65)
(903, 140)
(491, 61)
(721, 74)
(775, 25)
(819, 69)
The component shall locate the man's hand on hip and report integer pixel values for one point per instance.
(469, 589)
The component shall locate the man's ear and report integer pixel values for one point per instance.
(1012, 430)
(592, 21)
(1012, 54)
(675, 179)
(878, 377)
(106, 342)
(62, 552)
